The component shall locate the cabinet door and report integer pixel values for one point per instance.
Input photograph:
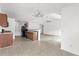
(1, 42)
(32, 35)
(29, 35)
(6, 40)
(3, 20)
(9, 39)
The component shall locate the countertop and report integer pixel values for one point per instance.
(33, 30)
(6, 32)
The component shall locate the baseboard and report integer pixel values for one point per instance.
(17, 34)
(50, 34)
(70, 52)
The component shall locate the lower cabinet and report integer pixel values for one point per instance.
(32, 35)
(6, 39)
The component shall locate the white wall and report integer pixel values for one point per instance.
(36, 22)
(70, 29)
(53, 27)
(33, 24)
(0, 9)
(18, 28)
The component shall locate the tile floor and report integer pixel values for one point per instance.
(48, 46)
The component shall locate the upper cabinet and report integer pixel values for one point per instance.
(3, 20)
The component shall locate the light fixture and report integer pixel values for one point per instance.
(52, 16)
(38, 13)
(55, 16)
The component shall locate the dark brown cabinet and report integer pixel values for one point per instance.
(3, 20)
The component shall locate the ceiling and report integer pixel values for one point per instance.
(23, 10)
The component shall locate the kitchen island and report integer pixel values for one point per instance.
(33, 34)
